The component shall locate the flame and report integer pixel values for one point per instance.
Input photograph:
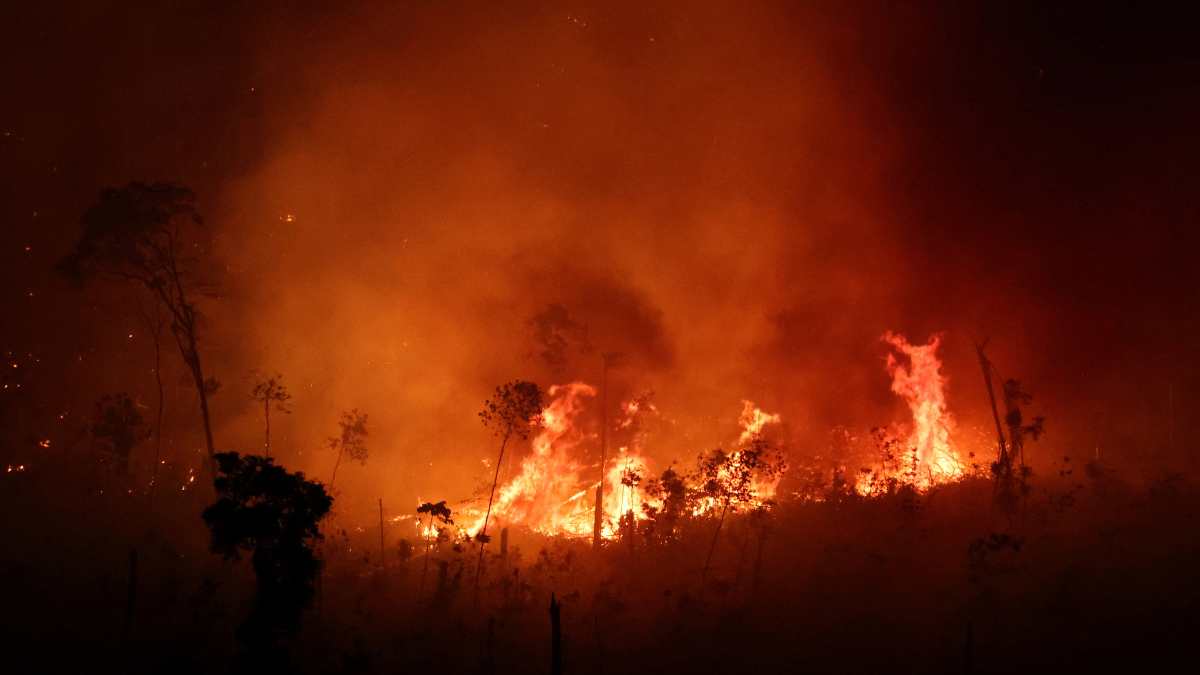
(917, 378)
(554, 493)
(547, 495)
(753, 419)
(762, 488)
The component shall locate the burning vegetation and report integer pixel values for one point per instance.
(507, 338)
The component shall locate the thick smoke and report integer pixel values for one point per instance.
(414, 203)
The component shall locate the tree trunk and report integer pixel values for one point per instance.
(712, 547)
(202, 391)
(158, 423)
(130, 596)
(758, 559)
(335, 468)
(555, 637)
(267, 418)
(381, 531)
(598, 522)
(491, 498)
(425, 567)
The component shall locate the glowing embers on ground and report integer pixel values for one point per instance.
(926, 457)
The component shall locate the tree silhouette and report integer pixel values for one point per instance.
(271, 392)
(441, 513)
(351, 441)
(671, 492)
(155, 322)
(118, 427)
(514, 409)
(728, 479)
(263, 509)
(1011, 473)
(150, 235)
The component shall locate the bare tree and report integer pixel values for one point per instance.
(272, 393)
(150, 235)
(350, 441)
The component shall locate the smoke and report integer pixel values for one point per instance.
(414, 203)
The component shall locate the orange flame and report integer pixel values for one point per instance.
(548, 495)
(923, 387)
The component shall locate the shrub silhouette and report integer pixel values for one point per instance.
(273, 514)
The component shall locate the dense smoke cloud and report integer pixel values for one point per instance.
(416, 203)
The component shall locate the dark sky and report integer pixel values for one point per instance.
(828, 170)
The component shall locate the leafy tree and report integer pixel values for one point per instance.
(1010, 471)
(151, 235)
(671, 492)
(728, 479)
(118, 427)
(272, 393)
(274, 515)
(351, 441)
(515, 409)
(442, 514)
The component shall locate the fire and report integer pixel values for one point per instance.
(548, 495)
(753, 420)
(755, 463)
(554, 493)
(917, 378)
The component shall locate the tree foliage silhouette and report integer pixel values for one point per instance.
(351, 440)
(514, 409)
(729, 480)
(442, 514)
(152, 236)
(274, 515)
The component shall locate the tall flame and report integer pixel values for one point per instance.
(917, 378)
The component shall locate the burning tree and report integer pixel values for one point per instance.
(351, 441)
(271, 392)
(149, 235)
(275, 515)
